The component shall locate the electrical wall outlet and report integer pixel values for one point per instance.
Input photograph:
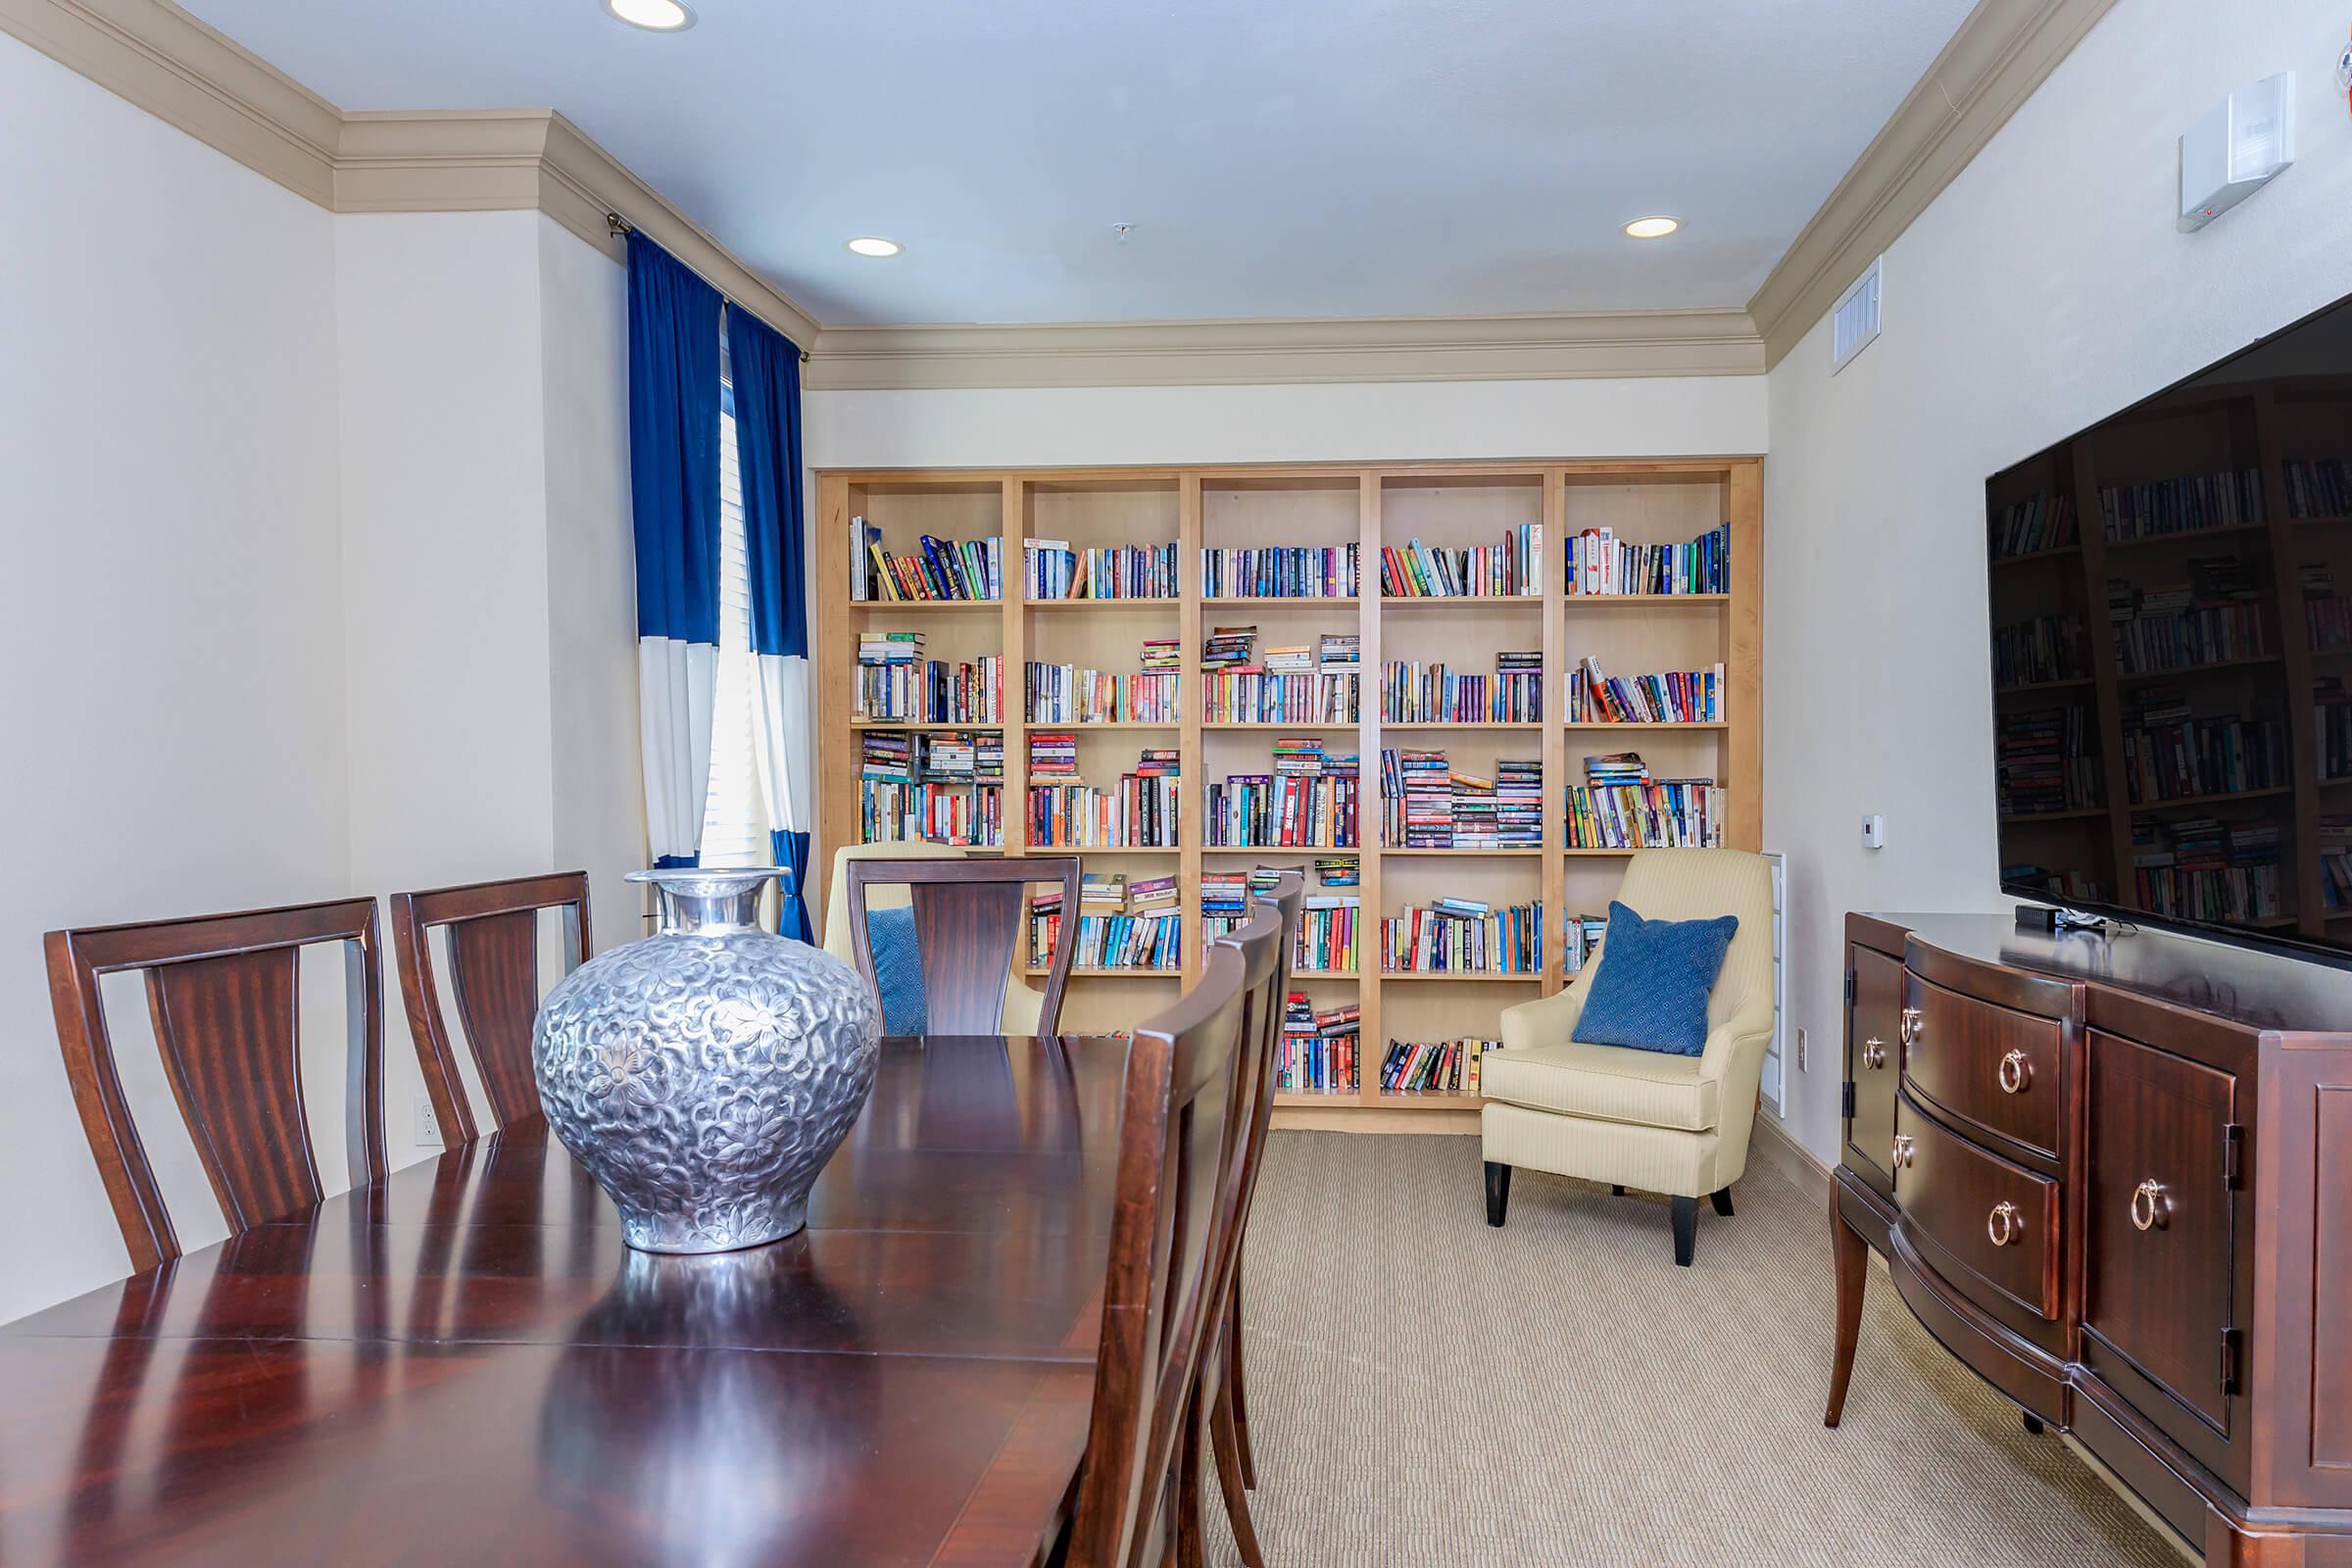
(1801, 1043)
(429, 1124)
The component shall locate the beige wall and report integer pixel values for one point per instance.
(2044, 290)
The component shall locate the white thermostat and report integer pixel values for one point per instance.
(2236, 149)
(1874, 832)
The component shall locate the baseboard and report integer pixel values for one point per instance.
(1770, 1142)
(1308, 1118)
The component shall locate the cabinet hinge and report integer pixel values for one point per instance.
(1848, 1102)
(2231, 1341)
(2233, 1154)
(1849, 988)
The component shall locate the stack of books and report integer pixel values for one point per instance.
(1585, 932)
(2181, 505)
(1476, 826)
(1434, 1066)
(947, 789)
(2029, 527)
(1228, 645)
(1318, 1052)
(1053, 755)
(1103, 893)
(1064, 694)
(2046, 648)
(1054, 570)
(940, 569)
(1141, 814)
(2041, 765)
(1519, 803)
(1279, 574)
(1308, 800)
(1463, 936)
(1341, 648)
(890, 675)
(1674, 697)
(1151, 895)
(1416, 800)
(2169, 755)
(1295, 658)
(1339, 871)
(2215, 616)
(1224, 902)
(1418, 693)
(1161, 653)
(1599, 563)
(1620, 807)
(2202, 868)
(1418, 571)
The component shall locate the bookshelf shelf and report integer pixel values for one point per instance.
(1595, 725)
(1361, 509)
(2144, 678)
(2192, 803)
(2185, 536)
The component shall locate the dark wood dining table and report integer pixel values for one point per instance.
(462, 1363)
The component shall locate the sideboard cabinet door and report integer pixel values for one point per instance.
(1874, 1059)
(2161, 1225)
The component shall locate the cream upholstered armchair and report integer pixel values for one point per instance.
(1643, 1119)
(1023, 1007)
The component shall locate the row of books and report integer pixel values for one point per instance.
(2169, 755)
(1327, 923)
(1599, 563)
(1110, 940)
(1582, 940)
(1051, 569)
(1434, 1066)
(1415, 571)
(1317, 1052)
(2043, 761)
(1308, 800)
(1463, 936)
(1279, 572)
(1428, 805)
(2046, 648)
(1141, 812)
(1064, 694)
(2217, 615)
(2335, 861)
(1229, 646)
(938, 568)
(2332, 714)
(932, 691)
(2181, 505)
(891, 813)
(1674, 697)
(950, 757)
(2202, 868)
(1413, 692)
(2319, 487)
(2044, 521)
(2326, 615)
(1254, 697)
(1620, 807)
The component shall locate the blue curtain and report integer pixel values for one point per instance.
(673, 484)
(767, 438)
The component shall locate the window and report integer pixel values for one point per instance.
(735, 825)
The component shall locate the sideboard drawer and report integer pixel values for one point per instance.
(1996, 1219)
(1984, 1063)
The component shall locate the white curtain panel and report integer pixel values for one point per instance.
(675, 681)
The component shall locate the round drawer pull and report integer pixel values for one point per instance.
(2149, 1205)
(2005, 1224)
(1902, 1152)
(1913, 1026)
(1874, 1052)
(2015, 1072)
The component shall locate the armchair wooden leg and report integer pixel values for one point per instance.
(1686, 1228)
(1721, 1199)
(1853, 1273)
(1498, 1191)
(1229, 1477)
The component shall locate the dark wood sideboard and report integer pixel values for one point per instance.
(2112, 1174)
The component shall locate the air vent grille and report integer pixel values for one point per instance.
(1854, 323)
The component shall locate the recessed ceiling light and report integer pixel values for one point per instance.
(870, 246)
(1652, 228)
(655, 15)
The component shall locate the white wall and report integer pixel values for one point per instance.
(173, 700)
(2044, 290)
(1334, 423)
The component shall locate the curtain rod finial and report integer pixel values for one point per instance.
(617, 225)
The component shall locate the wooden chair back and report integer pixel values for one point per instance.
(968, 928)
(1269, 987)
(222, 993)
(493, 938)
(1168, 1225)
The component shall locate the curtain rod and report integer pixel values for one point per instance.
(618, 227)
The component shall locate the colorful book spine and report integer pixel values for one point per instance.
(1513, 568)
(1449, 941)
(1279, 572)
(938, 568)
(1053, 569)
(1672, 697)
(1599, 563)
(1064, 694)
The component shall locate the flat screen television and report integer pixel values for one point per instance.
(2171, 596)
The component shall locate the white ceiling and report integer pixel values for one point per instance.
(1277, 158)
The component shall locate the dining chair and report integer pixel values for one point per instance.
(1265, 943)
(222, 991)
(493, 945)
(1289, 899)
(1182, 1110)
(968, 933)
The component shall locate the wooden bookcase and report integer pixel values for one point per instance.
(2257, 428)
(1454, 505)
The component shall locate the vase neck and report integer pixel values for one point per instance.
(707, 902)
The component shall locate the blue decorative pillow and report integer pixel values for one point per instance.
(899, 971)
(1650, 993)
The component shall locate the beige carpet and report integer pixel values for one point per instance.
(1426, 1391)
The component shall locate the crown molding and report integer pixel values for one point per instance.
(2003, 50)
(1399, 348)
(159, 58)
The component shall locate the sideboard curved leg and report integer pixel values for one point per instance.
(1854, 1272)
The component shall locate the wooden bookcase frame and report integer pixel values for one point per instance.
(1652, 501)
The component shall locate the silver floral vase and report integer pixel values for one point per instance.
(706, 1074)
